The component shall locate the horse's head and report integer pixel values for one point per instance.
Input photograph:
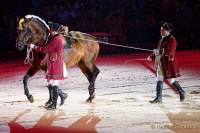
(31, 29)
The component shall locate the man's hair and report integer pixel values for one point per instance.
(166, 25)
(54, 26)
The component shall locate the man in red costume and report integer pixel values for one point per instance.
(56, 70)
(166, 63)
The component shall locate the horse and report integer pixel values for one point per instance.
(82, 52)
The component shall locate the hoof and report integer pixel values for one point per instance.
(30, 98)
(90, 99)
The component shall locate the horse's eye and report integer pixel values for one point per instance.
(18, 29)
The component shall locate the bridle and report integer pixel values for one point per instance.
(42, 23)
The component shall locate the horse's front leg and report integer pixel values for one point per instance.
(26, 91)
(32, 70)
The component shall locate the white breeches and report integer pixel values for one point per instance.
(160, 77)
(65, 73)
(53, 82)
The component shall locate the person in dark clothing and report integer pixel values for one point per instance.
(166, 63)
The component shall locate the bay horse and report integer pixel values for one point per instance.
(82, 52)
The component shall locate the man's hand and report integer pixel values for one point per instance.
(32, 46)
(149, 58)
(156, 51)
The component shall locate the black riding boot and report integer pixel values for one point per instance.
(159, 88)
(180, 91)
(55, 98)
(63, 96)
(49, 102)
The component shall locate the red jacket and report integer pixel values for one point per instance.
(169, 64)
(54, 49)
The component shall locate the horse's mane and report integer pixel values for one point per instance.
(37, 18)
(41, 23)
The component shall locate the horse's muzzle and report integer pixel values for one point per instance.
(20, 46)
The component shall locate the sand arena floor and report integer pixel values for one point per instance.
(124, 87)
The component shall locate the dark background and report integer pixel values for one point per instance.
(125, 22)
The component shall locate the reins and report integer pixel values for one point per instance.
(113, 44)
(29, 55)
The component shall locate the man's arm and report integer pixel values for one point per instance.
(50, 46)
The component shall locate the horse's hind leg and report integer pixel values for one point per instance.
(91, 72)
(92, 78)
(32, 70)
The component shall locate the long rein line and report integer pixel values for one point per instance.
(113, 44)
(29, 50)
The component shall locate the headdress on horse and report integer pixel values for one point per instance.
(38, 18)
(21, 22)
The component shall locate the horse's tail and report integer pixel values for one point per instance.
(96, 52)
(95, 56)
